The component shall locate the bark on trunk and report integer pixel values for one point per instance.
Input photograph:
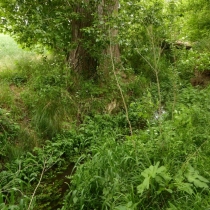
(80, 59)
(109, 9)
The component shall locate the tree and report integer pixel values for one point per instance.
(195, 21)
(79, 30)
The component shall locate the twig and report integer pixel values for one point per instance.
(40, 179)
(118, 84)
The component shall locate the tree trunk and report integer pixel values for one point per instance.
(109, 9)
(80, 58)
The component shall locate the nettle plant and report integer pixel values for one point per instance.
(20, 180)
(157, 179)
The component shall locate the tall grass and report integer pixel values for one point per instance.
(34, 89)
(14, 111)
(11, 52)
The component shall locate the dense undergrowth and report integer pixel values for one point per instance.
(66, 143)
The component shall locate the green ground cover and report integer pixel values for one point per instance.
(134, 139)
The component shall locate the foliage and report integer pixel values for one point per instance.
(63, 147)
(51, 25)
(9, 130)
(197, 24)
(36, 20)
(18, 179)
(102, 181)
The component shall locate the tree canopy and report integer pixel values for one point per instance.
(66, 27)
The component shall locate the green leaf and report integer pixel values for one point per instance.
(121, 208)
(185, 187)
(1, 198)
(172, 207)
(144, 185)
(193, 176)
(200, 184)
(75, 199)
(151, 171)
(159, 174)
(128, 206)
(201, 178)
(169, 190)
